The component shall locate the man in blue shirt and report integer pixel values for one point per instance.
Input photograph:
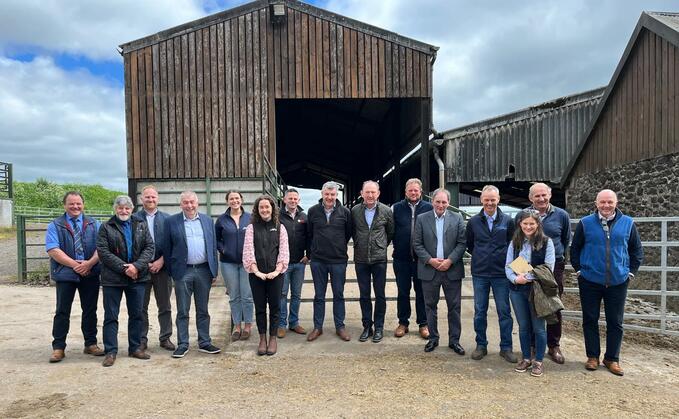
(557, 226)
(190, 251)
(70, 242)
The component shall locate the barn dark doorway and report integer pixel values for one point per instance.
(350, 141)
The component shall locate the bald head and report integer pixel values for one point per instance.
(606, 203)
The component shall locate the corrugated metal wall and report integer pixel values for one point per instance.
(537, 142)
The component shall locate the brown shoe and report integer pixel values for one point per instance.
(281, 332)
(299, 330)
(140, 354)
(424, 332)
(556, 355)
(57, 355)
(614, 367)
(314, 335)
(272, 347)
(109, 360)
(167, 345)
(592, 364)
(261, 349)
(401, 330)
(342, 333)
(93, 350)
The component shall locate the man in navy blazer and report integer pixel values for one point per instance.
(439, 243)
(190, 251)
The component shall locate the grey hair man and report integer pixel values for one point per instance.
(329, 230)
(160, 281)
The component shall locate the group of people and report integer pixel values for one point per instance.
(263, 256)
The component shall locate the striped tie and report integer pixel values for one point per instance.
(77, 237)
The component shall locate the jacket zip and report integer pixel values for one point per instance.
(608, 255)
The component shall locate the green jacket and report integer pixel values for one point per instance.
(545, 294)
(370, 243)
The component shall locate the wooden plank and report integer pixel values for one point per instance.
(381, 71)
(416, 74)
(388, 71)
(304, 52)
(333, 59)
(299, 89)
(367, 58)
(675, 94)
(346, 60)
(326, 59)
(266, 82)
(664, 98)
(222, 83)
(164, 121)
(256, 134)
(319, 58)
(143, 128)
(313, 60)
(651, 98)
(158, 131)
(399, 69)
(671, 99)
(634, 109)
(340, 62)
(188, 78)
(290, 24)
(243, 95)
(283, 29)
(179, 64)
(197, 127)
(215, 94)
(206, 105)
(249, 99)
(172, 90)
(409, 72)
(277, 71)
(655, 150)
(136, 141)
(270, 113)
(375, 65)
(360, 59)
(229, 96)
(128, 115)
(353, 42)
(236, 30)
(150, 117)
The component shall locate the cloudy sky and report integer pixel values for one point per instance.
(61, 77)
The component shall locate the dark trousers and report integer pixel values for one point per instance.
(453, 292)
(162, 289)
(134, 297)
(263, 293)
(375, 273)
(614, 298)
(554, 330)
(88, 290)
(338, 274)
(406, 276)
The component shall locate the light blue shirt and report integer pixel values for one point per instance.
(195, 241)
(150, 221)
(328, 212)
(369, 215)
(490, 219)
(440, 222)
(52, 237)
(526, 252)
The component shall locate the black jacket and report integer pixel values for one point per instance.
(327, 239)
(112, 251)
(297, 233)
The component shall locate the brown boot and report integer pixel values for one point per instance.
(93, 350)
(273, 345)
(401, 330)
(57, 355)
(109, 360)
(261, 349)
(614, 367)
(592, 364)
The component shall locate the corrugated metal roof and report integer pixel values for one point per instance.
(533, 144)
(669, 19)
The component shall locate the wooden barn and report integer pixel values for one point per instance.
(276, 91)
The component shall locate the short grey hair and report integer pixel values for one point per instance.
(122, 201)
(370, 182)
(441, 190)
(490, 188)
(538, 185)
(330, 185)
(187, 194)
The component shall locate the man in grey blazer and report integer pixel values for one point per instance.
(439, 243)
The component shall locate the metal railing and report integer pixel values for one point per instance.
(272, 183)
(6, 181)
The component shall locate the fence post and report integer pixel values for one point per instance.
(9, 181)
(21, 247)
(663, 276)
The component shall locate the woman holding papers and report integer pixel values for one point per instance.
(529, 248)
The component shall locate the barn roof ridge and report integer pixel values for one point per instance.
(261, 4)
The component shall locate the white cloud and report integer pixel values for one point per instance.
(64, 126)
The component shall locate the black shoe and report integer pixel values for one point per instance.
(431, 345)
(367, 332)
(209, 349)
(180, 352)
(457, 348)
(379, 334)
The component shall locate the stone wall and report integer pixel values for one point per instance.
(646, 188)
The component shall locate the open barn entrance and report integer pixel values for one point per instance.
(350, 141)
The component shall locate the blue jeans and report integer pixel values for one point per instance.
(482, 287)
(196, 281)
(293, 280)
(614, 299)
(338, 275)
(529, 324)
(240, 295)
(134, 297)
(406, 277)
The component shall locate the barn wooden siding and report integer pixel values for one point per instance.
(199, 98)
(640, 119)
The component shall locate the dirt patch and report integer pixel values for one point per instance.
(41, 406)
